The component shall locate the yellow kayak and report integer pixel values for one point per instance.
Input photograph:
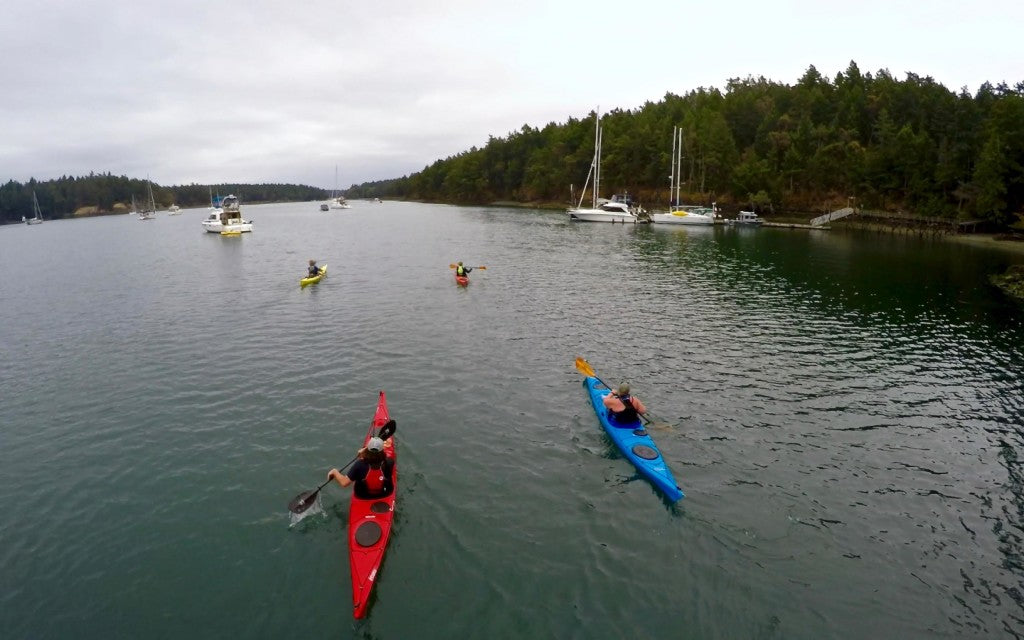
(314, 279)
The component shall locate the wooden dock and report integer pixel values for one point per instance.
(794, 225)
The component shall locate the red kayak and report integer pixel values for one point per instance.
(369, 524)
(461, 280)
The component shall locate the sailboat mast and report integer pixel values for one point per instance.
(679, 162)
(597, 156)
(672, 174)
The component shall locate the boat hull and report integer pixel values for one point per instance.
(682, 218)
(600, 215)
(315, 279)
(369, 524)
(462, 281)
(218, 227)
(634, 443)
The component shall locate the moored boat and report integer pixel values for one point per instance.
(227, 218)
(37, 217)
(681, 213)
(314, 279)
(746, 217)
(634, 443)
(369, 523)
(620, 208)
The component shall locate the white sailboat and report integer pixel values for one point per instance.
(337, 200)
(149, 209)
(37, 214)
(681, 213)
(619, 209)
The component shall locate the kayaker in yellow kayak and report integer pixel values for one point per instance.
(622, 407)
(314, 270)
(372, 473)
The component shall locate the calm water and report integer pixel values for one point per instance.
(847, 415)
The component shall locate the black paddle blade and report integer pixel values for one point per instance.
(303, 501)
(387, 430)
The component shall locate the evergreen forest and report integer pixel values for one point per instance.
(862, 139)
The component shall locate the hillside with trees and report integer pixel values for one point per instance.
(98, 194)
(868, 139)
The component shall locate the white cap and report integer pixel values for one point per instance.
(375, 444)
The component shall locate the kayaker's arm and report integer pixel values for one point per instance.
(339, 477)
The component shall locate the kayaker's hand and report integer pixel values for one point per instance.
(332, 474)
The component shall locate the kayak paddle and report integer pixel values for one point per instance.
(306, 499)
(584, 367)
(453, 265)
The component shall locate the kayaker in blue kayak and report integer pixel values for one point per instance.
(462, 271)
(622, 407)
(372, 472)
(314, 270)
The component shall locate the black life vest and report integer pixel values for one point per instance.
(628, 414)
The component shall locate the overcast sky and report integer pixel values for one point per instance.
(256, 91)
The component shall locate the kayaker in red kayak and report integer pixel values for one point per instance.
(372, 472)
(461, 271)
(622, 407)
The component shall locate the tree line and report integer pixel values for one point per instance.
(862, 139)
(106, 193)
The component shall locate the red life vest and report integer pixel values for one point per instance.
(374, 480)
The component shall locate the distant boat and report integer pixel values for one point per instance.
(174, 210)
(619, 209)
(227, 220)
(149, 211)
(681, 213)
(36, 212)
(336, 201)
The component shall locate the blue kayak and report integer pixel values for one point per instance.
(634, 443)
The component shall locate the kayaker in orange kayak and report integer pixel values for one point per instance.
(462, 271)
(372, 472)
(623, 407)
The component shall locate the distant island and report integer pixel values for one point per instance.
(105, 194)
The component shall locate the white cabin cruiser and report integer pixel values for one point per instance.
(619, 209)
(228, 218)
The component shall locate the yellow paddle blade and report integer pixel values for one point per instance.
(452, 265)
(584, 367)
(480, 267)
